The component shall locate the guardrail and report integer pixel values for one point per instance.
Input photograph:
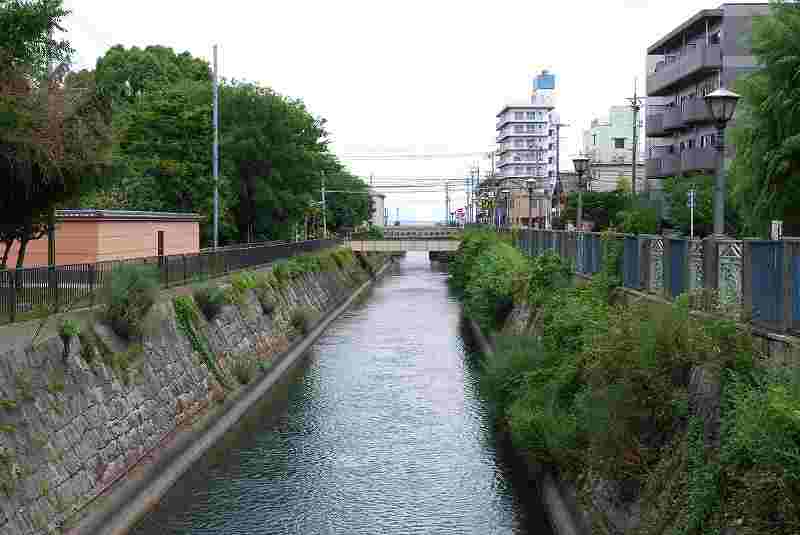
(24, 290)
(754, 280)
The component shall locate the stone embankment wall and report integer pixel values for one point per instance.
(70, 429)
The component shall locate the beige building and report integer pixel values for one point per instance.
(89, 236)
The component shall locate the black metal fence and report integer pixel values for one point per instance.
(24, 291)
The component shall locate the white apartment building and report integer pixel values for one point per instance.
(526, 147)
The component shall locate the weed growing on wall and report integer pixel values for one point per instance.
(128, 297)
(187, 317)
(303, 319)
(210, 300)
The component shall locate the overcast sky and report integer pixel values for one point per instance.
(405, 77)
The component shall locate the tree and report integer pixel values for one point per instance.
(26, 42)
(55, 130)
(351, 207)
(765, 174)
(602, 208)
(126, 75)
(274, 152)
(677, 190)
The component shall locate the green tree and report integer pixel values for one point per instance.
(127, 74)
(765, 175)
(26, 42)
(677, 190)
(274, 152)
(603, 208)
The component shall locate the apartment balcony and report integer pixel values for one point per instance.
(666, 165)
(654, 126)
(697, 159)
(693, 61)
(508, 133)
(673, 119)
(695, 111)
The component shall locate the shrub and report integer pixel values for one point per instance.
(241, 283)
(266, 300)
(128, 297)
(244, 369)
(210, 300)
(492, 283)
(303, 319)
(69, 329)
(548, 272)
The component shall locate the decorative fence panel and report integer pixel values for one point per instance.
(656, 267)
(730, 274)
(24, 291)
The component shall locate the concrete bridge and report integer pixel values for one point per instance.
(411, 232)
(401, 246)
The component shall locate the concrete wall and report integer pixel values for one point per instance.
(70, 430)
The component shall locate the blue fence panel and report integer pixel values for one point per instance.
(630, 264)
(767, 282)
(678, 267)
(796, 287)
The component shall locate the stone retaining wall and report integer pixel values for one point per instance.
(70, 429)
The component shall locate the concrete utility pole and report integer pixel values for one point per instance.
(636, 105)
(558, 125)
(215, 163)
(324, 210)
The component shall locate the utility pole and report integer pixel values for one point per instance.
(447, 203)
(324, 216)
(215, 164)
(636, 105)
(51, 215)
(558, 125)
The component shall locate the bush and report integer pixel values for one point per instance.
(303, 319)
(210, 300)
(244, 369)
(492, 283)
(475, 242)
(128, 297)
(69, 329)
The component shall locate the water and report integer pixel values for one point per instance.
(379, 430)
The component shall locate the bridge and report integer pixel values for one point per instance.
(401, 246)
(410, 232)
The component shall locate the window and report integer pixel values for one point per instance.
(550, 160)
(594, 140)
(713, 39)
(683, 146)
(690, 144)
(160, 243)
(530, 170)
(531, 115)
(619, 142)
(518, 116)
(519, 142)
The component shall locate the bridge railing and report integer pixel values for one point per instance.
(752, 280)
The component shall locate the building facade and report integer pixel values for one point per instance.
(90, 236)
(608, 142)
(708, 51)
(379, 215)
(526, 145)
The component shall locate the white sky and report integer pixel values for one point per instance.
(410, 76)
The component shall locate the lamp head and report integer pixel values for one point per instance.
(721, 105)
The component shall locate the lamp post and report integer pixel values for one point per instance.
(581, 164)
(721, 105)
(506, 198)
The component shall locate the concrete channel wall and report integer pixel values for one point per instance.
(86, 448)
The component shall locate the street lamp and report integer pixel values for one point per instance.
(531, 183)
(721, 105)
(581, 164)
(506, 198)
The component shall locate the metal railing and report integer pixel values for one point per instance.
(752, 280)
(56, 287)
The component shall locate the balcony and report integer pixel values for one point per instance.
(666, 165)
(673, 118)
(655, 125)
(697, 159)
(694, 60)
(695, 111)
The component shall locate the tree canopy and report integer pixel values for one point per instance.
(765, 175)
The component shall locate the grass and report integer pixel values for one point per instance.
(303, 319)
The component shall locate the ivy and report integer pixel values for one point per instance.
(187, 316)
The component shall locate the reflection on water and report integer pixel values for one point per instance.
(378, 430)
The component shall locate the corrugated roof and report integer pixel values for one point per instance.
(130, 215)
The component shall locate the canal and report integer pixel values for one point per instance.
(379, 429)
